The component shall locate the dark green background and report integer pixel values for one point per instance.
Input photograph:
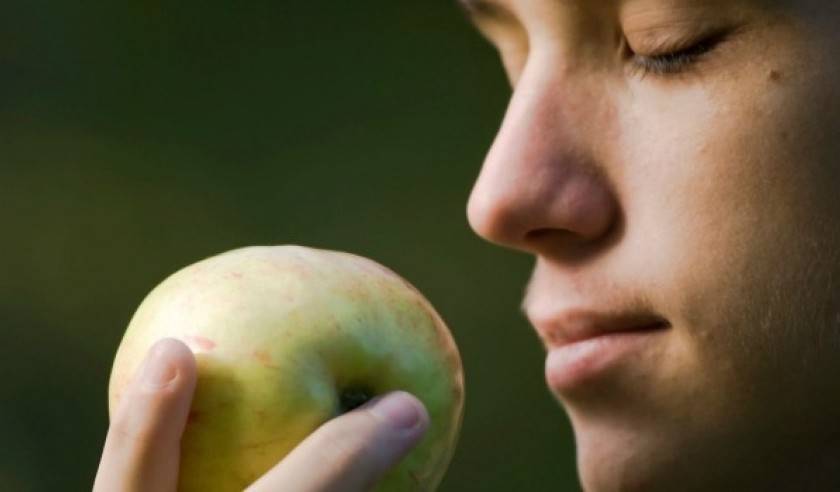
(137, 137)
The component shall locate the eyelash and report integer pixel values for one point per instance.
(677, 61)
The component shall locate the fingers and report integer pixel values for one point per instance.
(351, 452)
(142, 448)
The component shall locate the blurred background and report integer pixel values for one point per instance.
(137, 137)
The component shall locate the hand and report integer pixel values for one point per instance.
(347, 454)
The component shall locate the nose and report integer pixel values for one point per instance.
(541, 185)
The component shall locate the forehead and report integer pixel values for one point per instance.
(491, 7)
(616, 15)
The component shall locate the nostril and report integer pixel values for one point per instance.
(546, 234)
(553, 242)
(540, 234)
(566, 245)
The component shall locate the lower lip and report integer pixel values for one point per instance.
(576, 364)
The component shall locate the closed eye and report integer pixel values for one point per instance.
(676, 61)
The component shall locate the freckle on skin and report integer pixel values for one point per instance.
(774, 75)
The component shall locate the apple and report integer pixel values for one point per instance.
(286, 338)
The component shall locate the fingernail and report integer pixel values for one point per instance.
(398, 408)
(158, 370)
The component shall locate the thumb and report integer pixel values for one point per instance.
(350, 453)
(142, 448)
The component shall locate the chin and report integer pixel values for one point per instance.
(621, 461)
(611, 475)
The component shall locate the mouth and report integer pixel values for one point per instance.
(586, 346)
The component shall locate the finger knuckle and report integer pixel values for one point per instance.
(137, 423)
(128, 432)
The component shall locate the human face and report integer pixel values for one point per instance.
(673, 165)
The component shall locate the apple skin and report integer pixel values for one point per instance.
(279, 334)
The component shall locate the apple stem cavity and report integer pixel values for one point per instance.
(352, 398)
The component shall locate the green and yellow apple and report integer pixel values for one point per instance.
(286, 338)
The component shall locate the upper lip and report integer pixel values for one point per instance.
(574, 325)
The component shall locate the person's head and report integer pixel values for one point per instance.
(678, 159)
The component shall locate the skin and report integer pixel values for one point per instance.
(705, 195)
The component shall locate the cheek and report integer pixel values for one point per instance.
(723, 184)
